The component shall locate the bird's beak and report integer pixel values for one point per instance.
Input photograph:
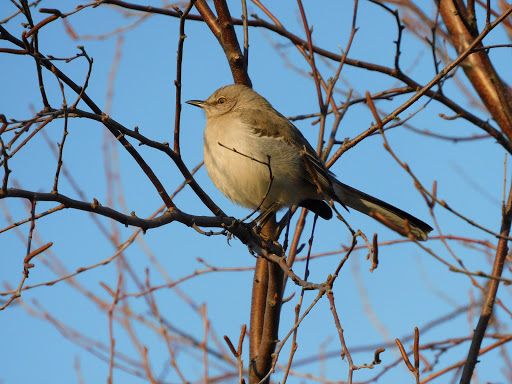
(197, 103)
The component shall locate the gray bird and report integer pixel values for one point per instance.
(258, 159)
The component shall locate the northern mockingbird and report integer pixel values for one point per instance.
(258, 159)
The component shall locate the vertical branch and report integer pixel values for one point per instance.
(177, 82)
(204, 343)
(400, 26)
(258, 303)
(163, 329)
(434, 46)
(87, 77)
(311, 55)
(246, 35)
(301, 299)
(5, 159)
(497, 99)
(239, 354)
(316, 77)
(330, 296)
(4, 155)
(40, 79)
(294, 346)
(338, 116)
(488, 13)
(416, 368)
(115, 299)
(472, 14)
(61, 149)
(299, 228)
(32, 225)
(264, 337)
(34, 49)
(109, 147)
(333, 82)
(407, 362)
(294, 246)
(268, 277)
(492, 290)
(64, 135)
(345, 351)
(27, 261)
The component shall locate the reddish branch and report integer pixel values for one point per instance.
(477, 66)
(265, 312)
(222, 28)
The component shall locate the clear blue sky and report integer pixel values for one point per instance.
(410, 288)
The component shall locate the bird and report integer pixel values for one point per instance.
(259, 160)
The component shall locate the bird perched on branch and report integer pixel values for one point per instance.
(258, 159)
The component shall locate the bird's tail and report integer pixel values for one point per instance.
(389, 215)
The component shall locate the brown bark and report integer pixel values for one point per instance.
(265, 312)
(477, 66)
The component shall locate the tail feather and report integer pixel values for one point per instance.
(370, 205)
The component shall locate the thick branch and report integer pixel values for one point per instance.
(223, 30)
(258, 304)
(265, 313)
(478, 68)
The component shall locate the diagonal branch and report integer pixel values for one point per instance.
(478, 67)
(45, 62)
(485, 315)
(223, 29)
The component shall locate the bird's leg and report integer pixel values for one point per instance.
(265, 216)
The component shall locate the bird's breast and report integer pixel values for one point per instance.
(251, 170)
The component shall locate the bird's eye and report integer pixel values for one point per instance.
(221, 100)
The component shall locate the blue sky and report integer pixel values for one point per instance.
(410, 288)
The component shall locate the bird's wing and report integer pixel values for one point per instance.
(270, 123)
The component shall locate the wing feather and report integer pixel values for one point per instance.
(270, 123)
